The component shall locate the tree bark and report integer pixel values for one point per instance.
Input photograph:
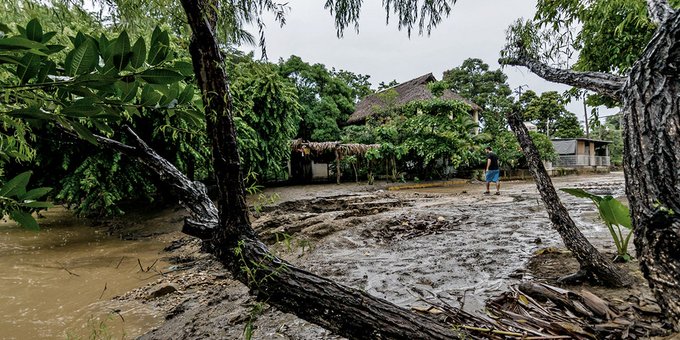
(592, 263)
(606, 84)
(343, 310)
(651, 126)
(651, 123)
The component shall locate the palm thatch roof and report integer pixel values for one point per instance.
(414, 89)
(342, 149)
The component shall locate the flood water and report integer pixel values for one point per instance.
(59, 282)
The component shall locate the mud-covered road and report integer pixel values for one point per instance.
(450, 241)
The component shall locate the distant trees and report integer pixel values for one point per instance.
(327, 97)
(487, 88)
(548, 112)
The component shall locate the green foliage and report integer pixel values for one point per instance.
(489, 89)
(78, 92)
(609, 34)
(93, 85)
(97, 185)
(18, 202)
(615, 215)
(418, 134)
(610, 131)
(327, 97)
(549, 114)
(567, 126)
(269, 115)
(510, 154)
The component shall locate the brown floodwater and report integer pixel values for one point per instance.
(59, 282)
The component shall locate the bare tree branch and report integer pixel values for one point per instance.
(659, 10)
(193, 195)
(605, 84)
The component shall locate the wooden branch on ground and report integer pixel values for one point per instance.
(606, 84)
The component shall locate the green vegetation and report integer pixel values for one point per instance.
(423, 138)
(327, 97)
(614, 215)
(611, 130)
(489, 89)
(18, 202)
(547, 111)
(59, 91)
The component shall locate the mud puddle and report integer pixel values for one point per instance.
(59, 282)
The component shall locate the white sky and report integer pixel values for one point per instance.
(475, 29)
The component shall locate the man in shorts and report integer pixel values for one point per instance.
(492, 171)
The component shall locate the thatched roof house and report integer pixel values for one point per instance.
(414, 89)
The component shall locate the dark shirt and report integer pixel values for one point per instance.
(494, 161)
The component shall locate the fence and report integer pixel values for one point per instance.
(572, 161)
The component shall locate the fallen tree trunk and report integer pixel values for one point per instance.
(593, 265)
(346, 311)
(227, 231)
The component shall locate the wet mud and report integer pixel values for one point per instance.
(454, 242)
(399, 245)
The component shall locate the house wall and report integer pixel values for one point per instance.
(580, 147)
(319, 170)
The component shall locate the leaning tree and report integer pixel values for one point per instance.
(650, 96)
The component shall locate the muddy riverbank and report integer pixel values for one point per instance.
(451, 241)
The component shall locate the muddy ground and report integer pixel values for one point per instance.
(398, 245)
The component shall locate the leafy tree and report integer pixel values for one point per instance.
(547, 111)
(610, 34)
(267, 105)
(327, 97)
(419, 133)
(611, 131)
(640, 78)
(510, 153)
(489, 89)
(567, 126)
(55, 88)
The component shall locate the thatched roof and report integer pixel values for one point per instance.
(414, 89)
(343, 149)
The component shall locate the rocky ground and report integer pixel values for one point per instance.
(398, 245)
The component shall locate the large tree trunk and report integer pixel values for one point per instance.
(346, 311)
(651, 123)
(651, 126)
(593, 265)
(349, 312)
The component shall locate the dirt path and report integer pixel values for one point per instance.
(452, 241)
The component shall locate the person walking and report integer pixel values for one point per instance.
(492, 171)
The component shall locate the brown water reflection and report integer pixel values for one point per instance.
(58, 282)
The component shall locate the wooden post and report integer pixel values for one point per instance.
(337, 165)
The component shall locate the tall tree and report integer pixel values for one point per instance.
(549, 114)
(344, 310)
(327, 97)
(487, 88)
(650, 95)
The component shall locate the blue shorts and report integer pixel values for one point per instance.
(492, 176)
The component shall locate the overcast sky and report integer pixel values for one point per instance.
(475, 29)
